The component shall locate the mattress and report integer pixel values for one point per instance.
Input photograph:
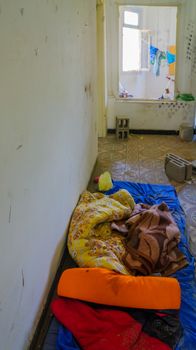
(155, 194)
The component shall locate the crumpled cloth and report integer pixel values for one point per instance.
(91, 242)
(65, 340)
(107, 329)
(151, 239)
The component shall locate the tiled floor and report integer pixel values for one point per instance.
(141, 159)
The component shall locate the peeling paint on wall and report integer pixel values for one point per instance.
(152, 115)
(36, 52)
(194, 59)
(189, 40)
(10, 215)
(22, 277)
(22, 11)
(174, 107)
(19, 146)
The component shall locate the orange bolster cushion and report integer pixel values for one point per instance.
(107, 287)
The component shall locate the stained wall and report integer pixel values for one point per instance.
(48, 146)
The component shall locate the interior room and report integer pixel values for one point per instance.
(98, 174)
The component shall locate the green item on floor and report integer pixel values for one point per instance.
(105, 182)
(185, 97)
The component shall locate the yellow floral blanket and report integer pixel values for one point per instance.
(91, 242)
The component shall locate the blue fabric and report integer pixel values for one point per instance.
(157, 63)
(153, 51)
(155, 194)
(65, 340)
(171, 58)
(51, 336)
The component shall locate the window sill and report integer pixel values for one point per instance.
(138, 100)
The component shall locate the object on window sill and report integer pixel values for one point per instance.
(166, 95)
(125, 96)
(185, 97)
(123, 93)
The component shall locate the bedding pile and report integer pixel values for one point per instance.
(111, 232)
(151, 241)
(117, 298)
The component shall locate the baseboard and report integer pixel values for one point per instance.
(149, 132)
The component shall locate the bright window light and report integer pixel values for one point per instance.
(131, 49)
(131, 18)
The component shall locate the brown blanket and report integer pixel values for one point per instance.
(151, 239)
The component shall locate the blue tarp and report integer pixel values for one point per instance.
(59, 338)
(155, 194)
(65, 340)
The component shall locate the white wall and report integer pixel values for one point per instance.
(192, 29)
(139, 110)
(48, 146)
(151, 116)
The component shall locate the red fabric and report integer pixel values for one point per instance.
(102, 329)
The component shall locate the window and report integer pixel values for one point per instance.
(147, 52)
(131, 18)
(134, 42)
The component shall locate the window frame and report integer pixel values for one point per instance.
(122, 24)
(117, 71)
